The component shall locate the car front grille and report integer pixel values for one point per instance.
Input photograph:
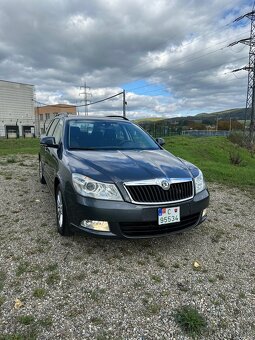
(155, 194)
(145, 229)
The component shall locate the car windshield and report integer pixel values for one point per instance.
(107, 135)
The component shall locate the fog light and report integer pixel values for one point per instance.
(204, 213)
(95, 225)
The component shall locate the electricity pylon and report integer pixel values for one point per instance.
(250, 99)
(86, 99)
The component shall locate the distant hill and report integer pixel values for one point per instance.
(233, 113)
(206, 118)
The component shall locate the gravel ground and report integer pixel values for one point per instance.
(83, 288)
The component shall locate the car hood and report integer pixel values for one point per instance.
(127, 165)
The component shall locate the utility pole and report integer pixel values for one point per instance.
(124, 103)
(86, 99)
(250, 99)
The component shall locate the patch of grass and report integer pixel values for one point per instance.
(222, 296)
(94, 295)
(51, 267)
(39, 293)
(190, 320)
(45, 322)
(2, 279)
(53, 278)
(241, 295)
(156, 278)
(23, 267)
(235, 157)
(2, 300)
(80, 276)
(8, 177)
(216, 237)
(141, 262)
(138, 284)
(220, 277)
(42, 241)
(161, 263)
(238, 225)
(19, 146)
(13, 337)
(215, 302)
(96, 320)
(121, 269)
(22, 164)
(211, 155)
(153, 308)
(176, 265)
(11, 159)
(72, 313)
(26, 319)
(183, 286)
(104, 335)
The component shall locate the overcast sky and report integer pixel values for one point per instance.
(170, 56)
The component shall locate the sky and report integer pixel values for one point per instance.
(171, 56)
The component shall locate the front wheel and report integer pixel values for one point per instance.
(62, 219)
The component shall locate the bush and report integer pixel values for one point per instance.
(235, 158)
(236, 138)
(190, 320)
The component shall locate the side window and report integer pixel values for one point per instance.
(58, 132)
(52, 127)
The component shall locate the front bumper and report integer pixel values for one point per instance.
(128, 220)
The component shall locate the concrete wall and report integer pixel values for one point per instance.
(16, 106)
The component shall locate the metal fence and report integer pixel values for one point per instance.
(206, 133)
(165, 131)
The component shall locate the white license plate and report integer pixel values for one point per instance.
(168, 215)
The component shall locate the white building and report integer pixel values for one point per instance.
(17, 115)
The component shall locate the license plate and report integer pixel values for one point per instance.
(168, 215)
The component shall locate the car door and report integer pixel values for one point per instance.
(46, 152)
(55, 153)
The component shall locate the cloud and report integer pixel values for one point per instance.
(177, 45)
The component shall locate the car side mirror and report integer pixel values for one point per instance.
(49, 142)
(160, 141)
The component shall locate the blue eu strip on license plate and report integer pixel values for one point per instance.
(168, 215)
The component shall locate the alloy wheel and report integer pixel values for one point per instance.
(60, 213)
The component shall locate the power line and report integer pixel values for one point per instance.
(157, 83)
(182, 63)
(82, 105)
(219, 43)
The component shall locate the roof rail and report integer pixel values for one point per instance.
(116, 116)
(63, 114)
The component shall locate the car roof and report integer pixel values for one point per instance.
(105, 118)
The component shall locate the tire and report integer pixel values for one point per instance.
(61, 214)
(41, 177)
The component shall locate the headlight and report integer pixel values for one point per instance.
(88, 187)
(199, 182)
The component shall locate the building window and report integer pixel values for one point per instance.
(41, 117)
(47, 116)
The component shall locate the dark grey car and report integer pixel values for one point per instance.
(111, 179)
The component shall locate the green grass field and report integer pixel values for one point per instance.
(210, 154)
(19, 146)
